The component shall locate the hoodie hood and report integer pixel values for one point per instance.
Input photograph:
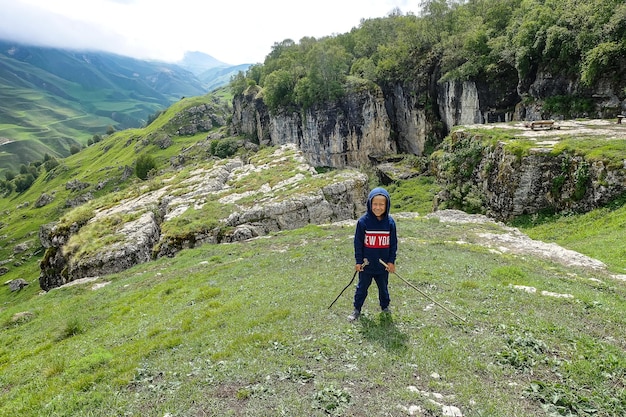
(374, 193)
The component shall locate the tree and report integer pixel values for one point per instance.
(601, 59)
(23, 182)
(50, 163)
(238, 83)
(279, 86)
(254, 73)
(6, 187)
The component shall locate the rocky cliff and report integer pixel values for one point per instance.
(231, 200)
(339, 134)
(505, 180)
(413, 117)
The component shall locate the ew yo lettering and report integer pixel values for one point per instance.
(377, 240)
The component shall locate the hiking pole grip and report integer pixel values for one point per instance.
(424, 294)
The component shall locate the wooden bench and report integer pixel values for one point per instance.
(619, 119)
(542, 124)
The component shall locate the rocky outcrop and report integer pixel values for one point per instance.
(542, 181)
(338, 134)
(140, 227)
(251, 117)
(201, 118)
(138, 237)
(371, 122)
(510, 184)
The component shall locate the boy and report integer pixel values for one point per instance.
(375, 238)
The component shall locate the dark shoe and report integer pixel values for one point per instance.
(386, 310)
(354, 316)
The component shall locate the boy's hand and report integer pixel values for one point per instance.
(391, 267)
(361, 267)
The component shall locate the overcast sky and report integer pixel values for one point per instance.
(232, 31)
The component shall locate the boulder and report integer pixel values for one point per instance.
(21, 247)
(17, 284)
(43, 200)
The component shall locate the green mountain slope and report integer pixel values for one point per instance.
(218, 76)
(51, 96)
(102, 163)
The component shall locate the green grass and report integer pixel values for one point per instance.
(599, 233)
(414, 195)
(245, 329)
(609, 151)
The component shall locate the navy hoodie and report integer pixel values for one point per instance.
(375, 239)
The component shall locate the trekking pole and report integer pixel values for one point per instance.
(424, 294)
(365, 263)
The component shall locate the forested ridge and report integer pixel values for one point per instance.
(497, 41)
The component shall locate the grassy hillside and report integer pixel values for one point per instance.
(599, 233)
(53, 96)
(245, 329)
(102, 166)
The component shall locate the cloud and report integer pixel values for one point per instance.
(235, 31)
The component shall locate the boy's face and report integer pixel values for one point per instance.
(379, 205)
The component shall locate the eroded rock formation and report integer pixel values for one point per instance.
(137, 224)
(510, 184)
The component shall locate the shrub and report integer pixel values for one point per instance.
(50, 164)
(583, 177)
(72, 328)
(224, 148)
(145, 163)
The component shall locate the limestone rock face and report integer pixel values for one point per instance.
(411, 123)
(340, 134)
(368, 123)
(459, 104)
(510, 185)
(542, 181)
(410, 116)
(137, 224)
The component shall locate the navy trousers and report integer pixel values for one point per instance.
(365, 280)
